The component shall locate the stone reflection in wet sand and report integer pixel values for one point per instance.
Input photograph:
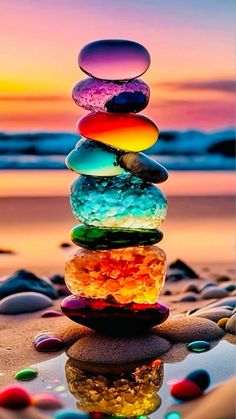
(126, 390)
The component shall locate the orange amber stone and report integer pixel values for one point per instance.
(123, 131)
(132, 274)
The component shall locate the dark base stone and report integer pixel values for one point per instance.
(112, 318)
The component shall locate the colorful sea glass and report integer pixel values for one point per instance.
(129, 131)
(114, 59)
(107, 96)
(144, 167)
(130, 393)
(132, 274)
(94, 159)
(122, 201)
(112, 318)
(103, 238)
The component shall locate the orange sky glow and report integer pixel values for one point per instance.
(191, 44)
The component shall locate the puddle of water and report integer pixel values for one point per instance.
(219, 362)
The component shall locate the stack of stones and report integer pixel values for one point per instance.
(117, 273)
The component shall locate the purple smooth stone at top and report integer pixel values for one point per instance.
(114, 59)
(108, 96)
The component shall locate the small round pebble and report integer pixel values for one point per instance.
(214, 292)
(191, 288)
(71, 414)
(42, 336)
(231, 324)
(189, 297)
(222, 322)
(24, 302)
(185, 390)
(26, 374)
(199, 346)
(14, 397)
(173, 415)
(213, 314)
(46, 401)
(50, 345)
(51, 313)
(199, 377)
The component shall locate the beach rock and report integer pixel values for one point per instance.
(97, 95)
(182, 266)
(24, 281)
(222, 322)
(185, 390)
(51, 313)
(142, 166)
(130, 132)
(49, 344)
(57, 279)
(223, 278)
(199, 346)
(231, 325)
(188, 298)
(114, 59)
(229, 301)
(213, 314)
(188, 329)
(213, 292)
(199, 377)
(71, 414)
(191, 288)
(42, 336)
(207, 285)
(112, 350)
(229, 287)
(14, 397)
(46, 401)
(24, 302)
(26, 374)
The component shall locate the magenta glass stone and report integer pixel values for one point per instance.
(107, 96)
(114, 59)
(112, 318)
(50, 344)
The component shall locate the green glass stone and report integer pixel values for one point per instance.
(26, 375)
(199, 346)
(94, 159)
(113, 238)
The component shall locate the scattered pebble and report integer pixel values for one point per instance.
(173, 415)
(188, 298)
(199, 346)
(223, 278)
(229, 301)
(60, 388)
(49, 344)
(46, 401)
(200, 377)
(229, 287)
(214, 292)
(24, 302)
(42, 336)
(185, 390)
(26, 374)
(25, 281)
(231, 325)
(207, 285)
(188, 329)
(213, 314)
(57, 279)
(191, 288)
(14, 397)
(65, 245)
(51, 313)
(222, 322)
(71, 414)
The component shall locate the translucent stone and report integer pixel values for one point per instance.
(113, 238)
(93, 159)
(199, 346)
(123, 131)
(121, 201)
(130, 393)
(112, 318)
(142, 166)
(132, 274)
(107, 96)
(114, 59)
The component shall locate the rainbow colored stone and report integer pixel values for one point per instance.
(114, 59)
(112, 318)
(103, 238)
(94, 159)
(107, 96)
(132, 274)
(128, 132)
(122, 201)
(130, 393)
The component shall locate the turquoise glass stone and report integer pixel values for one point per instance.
(121, 201)
(113, 238)
(94, 159)
(199, 346)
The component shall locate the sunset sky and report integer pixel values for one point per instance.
(191, 43)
